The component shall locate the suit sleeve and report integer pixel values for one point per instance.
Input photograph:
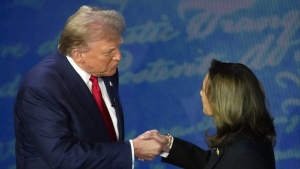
(49, 127)
(187, 155)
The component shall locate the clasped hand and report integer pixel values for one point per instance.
(149, 145)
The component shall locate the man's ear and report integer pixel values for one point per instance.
(77, 56)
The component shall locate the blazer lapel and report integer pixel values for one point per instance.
(215, 157)
(80, 95)
(111, 84)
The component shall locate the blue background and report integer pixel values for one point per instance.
(167, 49)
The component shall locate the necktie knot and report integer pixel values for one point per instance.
(94, 79)
(95, 85)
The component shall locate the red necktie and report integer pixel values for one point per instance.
(102, 106)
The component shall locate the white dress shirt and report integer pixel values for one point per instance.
(86, 78)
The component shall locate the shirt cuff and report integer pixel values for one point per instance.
(165, 154)
(132, 153)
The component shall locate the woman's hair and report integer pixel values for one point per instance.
(90, 24)
(238, 101)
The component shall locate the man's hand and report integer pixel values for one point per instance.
(154, 134)
(146, 148)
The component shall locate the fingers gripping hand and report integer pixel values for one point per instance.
(148, 134)
(147, 149)
(154, 134)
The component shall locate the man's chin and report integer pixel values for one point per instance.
(111, 73)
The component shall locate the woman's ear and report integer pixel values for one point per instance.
(210, 112)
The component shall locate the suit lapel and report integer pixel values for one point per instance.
(215, 157)
(111, 84)
(80, 95)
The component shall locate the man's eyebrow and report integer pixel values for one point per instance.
(110, 50)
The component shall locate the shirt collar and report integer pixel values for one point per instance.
(83, 74)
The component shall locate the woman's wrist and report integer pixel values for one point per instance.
(169, 139)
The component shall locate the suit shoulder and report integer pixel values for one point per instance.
(43, 73)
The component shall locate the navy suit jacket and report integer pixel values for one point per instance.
(242, 154)
(58, 124)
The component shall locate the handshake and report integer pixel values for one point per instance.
(151, 144)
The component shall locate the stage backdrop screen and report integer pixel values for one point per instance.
(167, 49)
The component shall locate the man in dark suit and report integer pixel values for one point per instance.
(58, 123)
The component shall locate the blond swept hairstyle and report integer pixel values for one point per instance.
(239, 105)
(90, 24)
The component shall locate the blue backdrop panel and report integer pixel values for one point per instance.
(167, 49)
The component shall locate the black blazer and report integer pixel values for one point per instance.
(58, 123)
(243, 154)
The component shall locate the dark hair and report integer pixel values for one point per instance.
(239, 105)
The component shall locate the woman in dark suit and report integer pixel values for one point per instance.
(245, 133)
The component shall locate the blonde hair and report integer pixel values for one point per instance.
(90, 24)
(238, 102)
